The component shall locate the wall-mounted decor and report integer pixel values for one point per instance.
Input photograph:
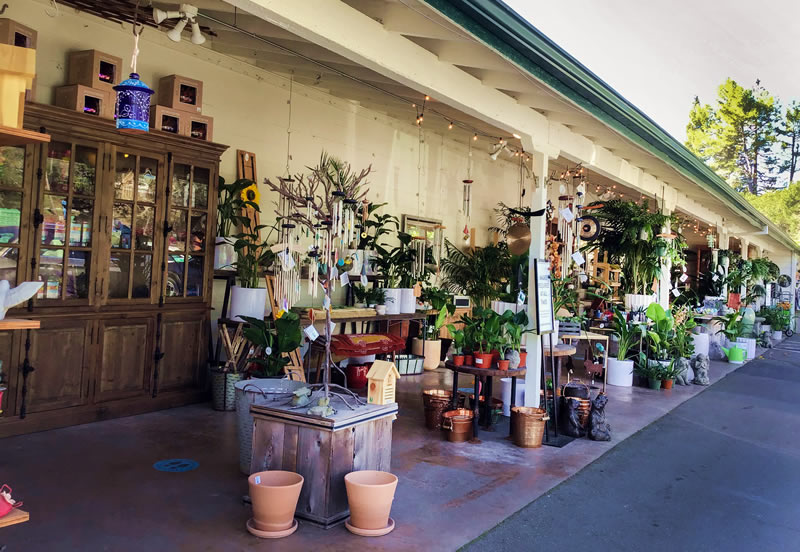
(181, 93)
(94, 69)
(83, 99)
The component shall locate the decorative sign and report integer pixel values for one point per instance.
(176, 465)
(344, 278)
(578, 258)
(544, 297)
(311, 333)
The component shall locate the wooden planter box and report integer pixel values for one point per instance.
(94, 69)
(90, 101)
(199, 127)
(181, 93)
(168, 120)
(323, 451)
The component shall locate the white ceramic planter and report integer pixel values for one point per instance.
(620, 372)
(392, 301)
(248, 302)
(777, 335)
(433, 352)
(380, 310)
(408, 303)
(224, 254)
(635, 302)
(749, 345)
(701, 344)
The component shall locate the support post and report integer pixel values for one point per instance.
(664, 280)
(536, 251)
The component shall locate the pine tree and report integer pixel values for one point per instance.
(790, 141)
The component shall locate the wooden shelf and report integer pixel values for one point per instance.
(19, 324)
(13, 517)
(10, 136)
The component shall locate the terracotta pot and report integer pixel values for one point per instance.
(458, 360)
(502, 364)
(370, 494)
(734, 300)
(483, 360)
(667, 383)
(469, 360)
(274, 496)
(523, 359)
(357, 376)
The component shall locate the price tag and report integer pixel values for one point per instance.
(331, 327)
(326, 303)
(676, 292)
(583, 277)
(578, 258)
(258, 480)
(715, 278)
(344, 278)
(684, 277)
(566, 212)
(267, 351)
(521, 298)
(311, 333)
(364, 280)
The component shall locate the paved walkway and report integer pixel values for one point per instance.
(720, 472)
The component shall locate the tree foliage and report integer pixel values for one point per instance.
(738, 135)
(782, 207)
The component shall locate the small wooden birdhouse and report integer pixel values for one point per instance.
(382, 382)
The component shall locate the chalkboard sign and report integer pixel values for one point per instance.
(544, 297)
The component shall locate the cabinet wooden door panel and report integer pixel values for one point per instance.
(125, 358)
(183, 345)
(59, 353)
(6, 356)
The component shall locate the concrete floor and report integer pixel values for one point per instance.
(717, 473)
(92, 487)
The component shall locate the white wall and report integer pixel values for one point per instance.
(250, 112)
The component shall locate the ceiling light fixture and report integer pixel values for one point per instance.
(187, 14)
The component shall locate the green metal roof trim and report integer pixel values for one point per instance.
(502, 29)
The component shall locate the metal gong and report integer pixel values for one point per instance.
(590, 228)
(518, 238)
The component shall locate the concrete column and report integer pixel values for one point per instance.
(724, 243)
(533, 379)
(745, 257)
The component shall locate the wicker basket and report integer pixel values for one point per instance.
(528, 426)
(408, 365)
(435, 402)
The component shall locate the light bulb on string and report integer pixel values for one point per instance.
(450, 126)
(475, 137)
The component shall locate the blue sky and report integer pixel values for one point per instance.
(659, 55)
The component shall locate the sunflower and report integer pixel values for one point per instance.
(251, 193)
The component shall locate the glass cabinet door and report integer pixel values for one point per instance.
(132, 226)
(187, 238)
(12, 174)
(66, 232)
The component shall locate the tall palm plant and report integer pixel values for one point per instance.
(482, 273)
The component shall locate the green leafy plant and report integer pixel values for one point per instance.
(459, 338)
(377, 226)
(516, 327)
(626, 334)
(672, 371)
(397, 264)
(376, 296)
(660, 332)
(230, 205)
(682, 345)
(253, 254)
(565, 296)
(272, 341)
(483, 273)
(360, 292)
(649, 369)
(732, 325)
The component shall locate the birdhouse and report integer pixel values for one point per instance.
(381, 382)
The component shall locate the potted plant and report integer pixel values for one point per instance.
(683, 341)
(376, 297)
(736, 278)
(377, 226)
(483, 273)
(431, 343)
(516, 328)
(233, 198)
(397, 265)
(272, 342)
(732, 328)
(458, 344)
(360, 293)
(659, 334)
(253, 257)
(274, 495)
(370, 495)
(620, 369)
(670, 373)
(653, 372)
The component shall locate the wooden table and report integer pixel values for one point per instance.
(13, 517)
(591, 336)
(482, 374)
(559, 351)
(323, 451)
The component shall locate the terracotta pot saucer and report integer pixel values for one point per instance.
(370, 532)
(273, 534)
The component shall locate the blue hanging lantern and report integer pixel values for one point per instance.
(133, 105)
(132, 109)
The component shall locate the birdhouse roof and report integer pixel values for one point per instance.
(381, 369)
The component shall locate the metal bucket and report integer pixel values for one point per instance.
(458, 425)
(435, 401)
(528, 426)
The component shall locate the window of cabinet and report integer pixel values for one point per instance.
(187, 238)
(66, 234)
(12, 175)
(133, 240)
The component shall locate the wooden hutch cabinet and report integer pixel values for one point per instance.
(120, 229)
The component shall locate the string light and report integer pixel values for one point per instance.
(450, 126)
(475, 137)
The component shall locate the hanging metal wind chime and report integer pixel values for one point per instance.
(132, 109)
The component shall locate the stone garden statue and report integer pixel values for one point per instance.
(571, 424)
(686, 374)
(700, 363)
(599, 428)
(715, 351)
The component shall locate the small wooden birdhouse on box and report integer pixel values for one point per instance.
(382, 382)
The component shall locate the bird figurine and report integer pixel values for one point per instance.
(10, 297)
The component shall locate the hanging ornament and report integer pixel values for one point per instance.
(132, 109)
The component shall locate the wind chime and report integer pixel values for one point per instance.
(420, 245)
(466, 202)
(132, 109)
